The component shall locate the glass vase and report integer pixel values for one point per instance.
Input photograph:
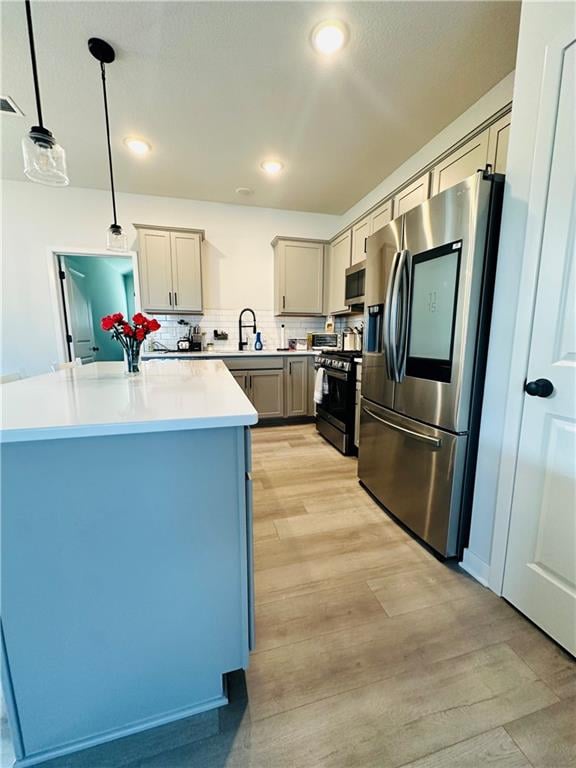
(132, 358)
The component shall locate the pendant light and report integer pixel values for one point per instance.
(44, 159)
(104, 53)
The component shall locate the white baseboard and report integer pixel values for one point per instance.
(476, 567)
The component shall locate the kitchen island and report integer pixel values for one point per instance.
(126, 550)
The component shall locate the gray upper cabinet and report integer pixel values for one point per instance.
(155, 267)
(338, 260)
(381, 216)
(462, 163)
(360, 231)
(297, 386)
(498, 136)
(298, 276)
(170, 267)
(412, 195)
(186, 271)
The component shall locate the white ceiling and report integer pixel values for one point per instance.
(218, 86)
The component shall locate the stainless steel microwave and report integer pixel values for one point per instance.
(355, 284)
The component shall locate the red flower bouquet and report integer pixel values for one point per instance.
(130, 336)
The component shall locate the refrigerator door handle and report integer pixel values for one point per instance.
(404, 289)
(387, 334)
(396, 344)
(434, 441)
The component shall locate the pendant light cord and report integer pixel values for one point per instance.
(103, 70)
(33, 58)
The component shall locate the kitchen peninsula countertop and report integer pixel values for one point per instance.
(219, 353)
(100, 399)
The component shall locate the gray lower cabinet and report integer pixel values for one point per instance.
(264, 387)
(267, 393)
(241, 378)
(297, 386)
(277, 387)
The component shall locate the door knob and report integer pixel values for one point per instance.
(95, 349)
(539, 388)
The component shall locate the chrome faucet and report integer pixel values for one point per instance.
(242, 344)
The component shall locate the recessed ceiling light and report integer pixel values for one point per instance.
(272, 167)
(329, 37)
(138, 146)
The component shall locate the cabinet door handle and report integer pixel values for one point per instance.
(170, 297)
(283, 302)
(290, 367)
(175, 299)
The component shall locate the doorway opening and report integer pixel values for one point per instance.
(91, 287)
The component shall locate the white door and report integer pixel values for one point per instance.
(186, 271)
(540, 570)
(79, 315)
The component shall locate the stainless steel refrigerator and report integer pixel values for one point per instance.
(429, 281)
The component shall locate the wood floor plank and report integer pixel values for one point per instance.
(548, 737)
(550, 662)
(332, 571)
(492, 749)
(381, 725)
(265, 529)
(426, 585)
(294, 619)
(368, 537)
(318, 522)
(290, 676)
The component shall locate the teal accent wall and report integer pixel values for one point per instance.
(106, 288)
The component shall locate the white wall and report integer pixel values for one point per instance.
(238, 263)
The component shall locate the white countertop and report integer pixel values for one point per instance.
(218, 353)
(100, 399)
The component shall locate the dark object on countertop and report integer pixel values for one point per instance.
(220, 335)
(243, 344)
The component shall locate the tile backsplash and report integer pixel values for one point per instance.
(227, 320)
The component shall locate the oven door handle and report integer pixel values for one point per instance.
(335, 374)
(434, 441)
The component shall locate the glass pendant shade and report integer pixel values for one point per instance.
(44, 160)
(116, 239)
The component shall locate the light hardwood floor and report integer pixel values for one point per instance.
(370, 653)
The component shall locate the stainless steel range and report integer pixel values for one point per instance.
(429, 279)
(335, 415)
